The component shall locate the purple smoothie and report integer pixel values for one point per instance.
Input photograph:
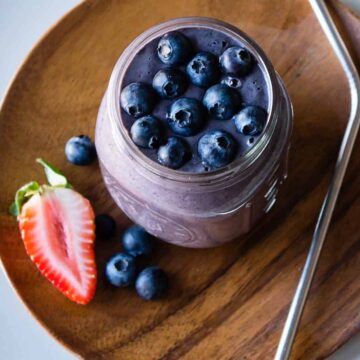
(252, 89)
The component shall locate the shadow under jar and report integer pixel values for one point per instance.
(194, 209)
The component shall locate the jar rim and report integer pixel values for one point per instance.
(115, 86)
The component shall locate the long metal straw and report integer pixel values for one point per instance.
(347, 144)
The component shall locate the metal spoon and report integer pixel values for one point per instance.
(347, 144)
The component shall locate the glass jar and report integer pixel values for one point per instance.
(194, 209)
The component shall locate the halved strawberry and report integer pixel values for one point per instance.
(58, 230)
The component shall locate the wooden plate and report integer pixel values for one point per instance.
(225, 303)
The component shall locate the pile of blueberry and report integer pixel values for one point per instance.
(121, 269)
(187, 116)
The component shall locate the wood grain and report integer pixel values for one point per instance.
(225, 303)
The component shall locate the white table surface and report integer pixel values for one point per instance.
(22, 23)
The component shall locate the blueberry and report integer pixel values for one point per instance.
(121, 270)
(203, 69)
(169, 83)
(236, 61)
(175, 153)
(186, 116)
(146, 132)
(80, 150)
(151, 283)
(105, 226)
(221, 101)
(216, 148)
(250, 120)
(174, 48)
(137, 99)
(136, 241)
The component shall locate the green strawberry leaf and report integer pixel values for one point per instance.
(54, 176)
(22, 195)
(13, 210)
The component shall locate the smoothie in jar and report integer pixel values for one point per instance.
(193, 132)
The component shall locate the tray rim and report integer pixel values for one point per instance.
(6, 95)
(335, 4)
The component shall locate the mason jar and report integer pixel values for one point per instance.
(194, 209)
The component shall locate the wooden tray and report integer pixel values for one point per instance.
(225, 303)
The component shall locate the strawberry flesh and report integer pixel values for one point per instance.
(58, 230)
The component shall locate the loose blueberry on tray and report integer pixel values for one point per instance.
(137, 99)
(216, 149)
(136, 241)
(174, 153)
(186, 116)
(121, 270)
(203, 69)
(152, 283)
(146, 132)
(105, 226)
(250, 120)
(80, 150)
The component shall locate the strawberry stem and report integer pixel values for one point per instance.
(55, 178)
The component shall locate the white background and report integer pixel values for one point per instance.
(22, 23)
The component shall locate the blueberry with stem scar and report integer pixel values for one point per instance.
(169, 83)
(186, 116)
(121, 270)
(236, 61)
(221, 101)
(216, 149)
(137, 99)
(203, 69)
(250, 120)
(174, 48)
(146, 132)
